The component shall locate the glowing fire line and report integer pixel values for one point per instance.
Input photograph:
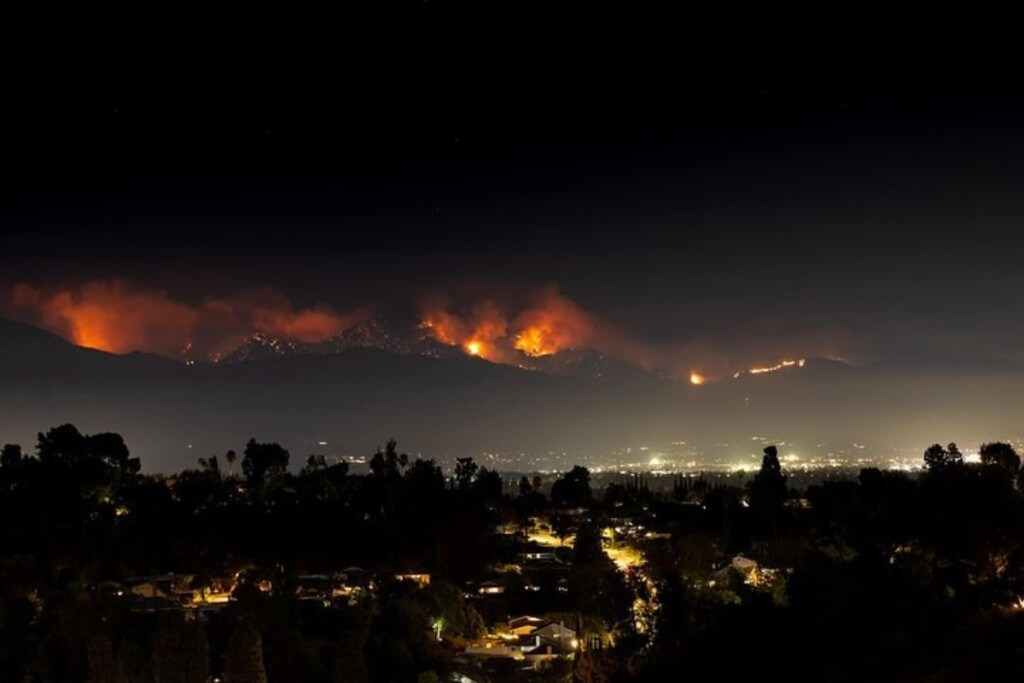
(781, 365)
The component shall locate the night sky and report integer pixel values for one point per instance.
(842, 184)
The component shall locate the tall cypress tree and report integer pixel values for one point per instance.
(181, 653)
(243, 661)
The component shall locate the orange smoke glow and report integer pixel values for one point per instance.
(549, 324)
(116, 316)
(479, 334)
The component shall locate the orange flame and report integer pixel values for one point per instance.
(551, 324)
(696, 378)
(554, 324)
(781, 365)
(479, 334)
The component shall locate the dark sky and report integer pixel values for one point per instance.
(851, 173)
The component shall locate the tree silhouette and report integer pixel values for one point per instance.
(10, 456)
(180, 651)
(104, 664)
(572, 488)
(489, 484)
(525, 488)
(61, 446)
(1001, 455)
(263, 462)
(954, 455)
(937, 458)
(243, 660)
(389, 463)
(768, 488)
(562, 526)
(210, 465)
(465, 472)
(111, 448)
(934, 457)
(350, 659)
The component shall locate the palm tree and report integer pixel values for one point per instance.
(230, 456)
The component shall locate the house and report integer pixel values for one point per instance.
(315, 587)
(525, 625)
(421, 580)
(744, 567)
(559, 636)
(537, 556)
(527, 639)
(171, 587)
(490, 588)
(533, 632)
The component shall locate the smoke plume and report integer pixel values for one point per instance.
(119, 317)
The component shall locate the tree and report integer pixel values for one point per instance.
(1001, 455)
(104, 665)
(180, 651)
(525, 488)
(489, 484)
(768, 488)
(587, 546)
(243, 660)
(10, 456)
(465, 472)
(572, 488)
(211, 466)
(263, 461)
(314, 464)
(95, 463)
(111, 448)
(954, 454)
(63, 446)
(934, 457)
(350, 659)
(388, 463)
(230, 457)
(562, 526)
(424, 480)
(937, 458)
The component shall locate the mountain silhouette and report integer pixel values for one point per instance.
(576, 406)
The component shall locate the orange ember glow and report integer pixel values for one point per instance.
(696, 378)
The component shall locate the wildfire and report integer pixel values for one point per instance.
(551, 323)
(696, 379)
(120, 316)
(531, 341)
(781, 365)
